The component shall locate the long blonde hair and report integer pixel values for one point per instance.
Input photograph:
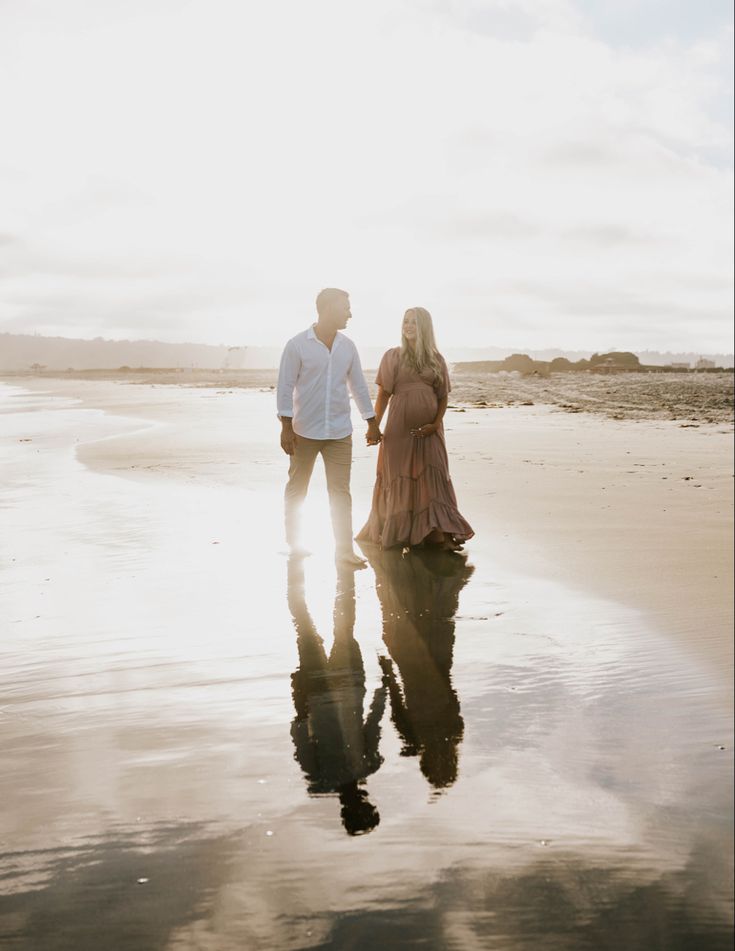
(424, 355)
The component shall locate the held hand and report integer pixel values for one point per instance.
(373, 435)
(426, 430)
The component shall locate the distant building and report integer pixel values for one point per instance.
(680, 366)
(703, 364)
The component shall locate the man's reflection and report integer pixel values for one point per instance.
(419, 594)
(335, 747)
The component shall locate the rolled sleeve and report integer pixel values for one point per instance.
(288, 373)
(358, 387)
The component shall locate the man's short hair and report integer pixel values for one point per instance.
(325, 298)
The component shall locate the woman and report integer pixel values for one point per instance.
(413, 500)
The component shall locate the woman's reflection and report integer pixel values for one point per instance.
(419, 594)
(335, 748)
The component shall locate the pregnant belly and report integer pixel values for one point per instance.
(411, 409)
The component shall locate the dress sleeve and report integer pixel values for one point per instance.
(443, 385)
(386, 377)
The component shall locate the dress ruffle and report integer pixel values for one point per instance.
(410, 509)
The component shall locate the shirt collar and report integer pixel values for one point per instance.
(310, 335)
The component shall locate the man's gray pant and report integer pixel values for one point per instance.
(337, 456)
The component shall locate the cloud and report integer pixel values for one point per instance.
(640, 23)
(405, 150)
(608, 236)
(590, 300)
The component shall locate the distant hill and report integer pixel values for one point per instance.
(654, 358)
(614, 362)
(657, 359)
(21, 351)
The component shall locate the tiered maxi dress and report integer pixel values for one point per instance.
(413, 492)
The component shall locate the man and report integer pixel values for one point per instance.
(317, 368)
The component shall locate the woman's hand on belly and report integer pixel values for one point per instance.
(428, 429)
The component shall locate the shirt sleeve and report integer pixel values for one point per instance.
(288, 373)
(443, 386)
(358, 387)
(386, 376)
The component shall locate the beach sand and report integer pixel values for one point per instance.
(691, 398)
(638, 510)
(565, 783)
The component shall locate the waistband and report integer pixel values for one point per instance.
(404, 387)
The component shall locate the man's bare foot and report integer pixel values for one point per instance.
(350, 559)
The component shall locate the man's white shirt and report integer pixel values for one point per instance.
(313, 384)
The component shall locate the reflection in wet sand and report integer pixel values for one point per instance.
(127, 891)
(159, 791)
(419, 594)
(335, 747)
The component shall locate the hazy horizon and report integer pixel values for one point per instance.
(521, 348)
(526, 171)
(19, 352)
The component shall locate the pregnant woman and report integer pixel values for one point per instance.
(413, 500)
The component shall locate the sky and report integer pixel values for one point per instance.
(537, 173)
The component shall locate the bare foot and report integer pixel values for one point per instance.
(349, 559)
(450, 545)
(442, 541)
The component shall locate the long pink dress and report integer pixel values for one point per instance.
(413, 492)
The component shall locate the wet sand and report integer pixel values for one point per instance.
(208, 746)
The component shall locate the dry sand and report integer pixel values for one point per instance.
(690, 398)
(639, 512)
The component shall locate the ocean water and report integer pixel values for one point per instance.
(206, 744)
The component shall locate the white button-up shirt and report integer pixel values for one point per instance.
(313, 383)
